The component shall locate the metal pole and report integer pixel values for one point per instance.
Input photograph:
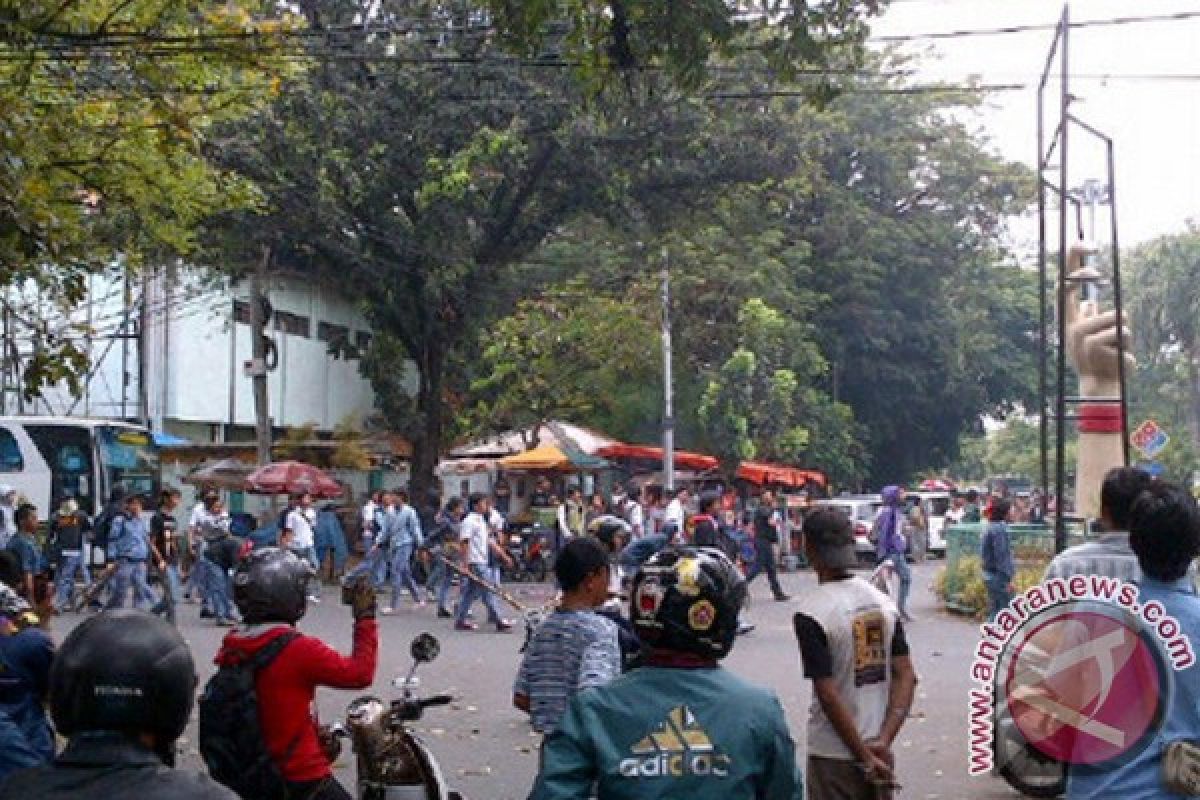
(127, 300)
(668, 433)
(1060, 444)
(1118, 304)
(143, 397)
(1043, 356)
(258, 323)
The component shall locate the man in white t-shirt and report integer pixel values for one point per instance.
(853, 647)
(635, 513)
(478, 547)
(674, 515)
(298, 537)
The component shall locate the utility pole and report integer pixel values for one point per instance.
(668, 409)
(127, 302)
(143, 396)
(258, 364)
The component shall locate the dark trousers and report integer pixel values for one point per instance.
(764, 561)
(324, 789)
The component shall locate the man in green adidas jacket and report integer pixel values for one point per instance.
(681, 726)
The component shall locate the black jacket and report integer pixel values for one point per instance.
(111, 767)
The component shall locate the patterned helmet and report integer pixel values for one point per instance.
(688, 599)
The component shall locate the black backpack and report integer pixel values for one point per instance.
(231, 740)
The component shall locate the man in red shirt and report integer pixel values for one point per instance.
(269, 588)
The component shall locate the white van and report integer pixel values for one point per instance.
(935, 505)
(43, 458)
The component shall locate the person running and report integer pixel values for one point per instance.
(26, 653)
(121, 690)
(221, 549)
(399, 537)
(370, 528)
(298, 536)
(995, 552)
(442, 544)
(766, 536)
(681, 725)
(329, 540)
(270, 589)
(854, 651)
(478, 547)
(69, 528)
(1164, 533)
(164, 546)
(203, 513)
(129, 548)
(574, 648)
(891, 544)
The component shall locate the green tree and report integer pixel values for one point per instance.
(106, 113)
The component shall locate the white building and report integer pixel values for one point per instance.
(195, 343)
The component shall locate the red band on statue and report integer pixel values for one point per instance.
(1100, 418)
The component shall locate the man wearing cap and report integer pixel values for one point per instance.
(854, 651)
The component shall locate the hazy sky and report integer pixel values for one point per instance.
(1155, 122)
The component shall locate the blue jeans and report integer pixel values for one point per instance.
(374, 563)
(402, 577)
(472, 591)
(171, 593)
(441, 577)
(900, 563)
(309, 554)
(71, 566)
(131, 573)
(220, 590)
(998, 594)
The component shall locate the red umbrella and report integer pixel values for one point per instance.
(292, 477)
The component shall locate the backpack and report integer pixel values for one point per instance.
(231, 740)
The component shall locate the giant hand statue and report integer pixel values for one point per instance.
(1092, 351)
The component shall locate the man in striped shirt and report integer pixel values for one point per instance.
(1109, 554)
(575, 648)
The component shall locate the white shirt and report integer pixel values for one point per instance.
(299, 522)
(474, 531)
(368, 517)
(199, 514)
(674, 513)
(859, 622)
(496, 521)
(637, 519)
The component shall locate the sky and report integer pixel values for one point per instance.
(1154, 122)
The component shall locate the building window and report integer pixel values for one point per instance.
(362, 341)
(241, 312)
(295, 324)
(328, 332)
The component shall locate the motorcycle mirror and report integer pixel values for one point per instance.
(425, 648)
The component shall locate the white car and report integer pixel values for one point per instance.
(935, 505)
(860, 508)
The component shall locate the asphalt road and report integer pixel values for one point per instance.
(487, 750)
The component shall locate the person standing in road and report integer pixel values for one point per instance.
(477, 549)
(766, 536)
(675, 515)
(570, 516)
(68, 530)
(198, 521)
(298, 536)
(442, 544)
(853, 648)
(399, 537)
(164, 545)
(971, 515)
(1109, 553)
(635, 513)
(890, 542)
(129, 547)
(995, 551)
(329, 540)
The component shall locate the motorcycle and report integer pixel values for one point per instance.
(530, 554)
(393, 763)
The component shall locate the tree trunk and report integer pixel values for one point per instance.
(427, 444)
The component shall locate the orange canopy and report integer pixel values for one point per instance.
(763, 474)
(642, 452)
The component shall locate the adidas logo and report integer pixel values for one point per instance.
(679, 746)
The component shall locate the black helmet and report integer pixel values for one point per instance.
(688, 598)
(271, 585)
(607, 527)
(126, 671)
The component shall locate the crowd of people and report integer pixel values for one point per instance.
(630, 697)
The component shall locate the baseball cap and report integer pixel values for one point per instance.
(832, 537)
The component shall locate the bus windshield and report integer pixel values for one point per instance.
(129, 459)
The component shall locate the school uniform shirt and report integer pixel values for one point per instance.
(848, 631)
(474, 533)
(570, 651)
(129, 540)
(301, 526)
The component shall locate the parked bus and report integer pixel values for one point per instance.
(45, 457)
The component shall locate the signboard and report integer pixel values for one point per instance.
(1149, 439)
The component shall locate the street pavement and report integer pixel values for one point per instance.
(486, 748)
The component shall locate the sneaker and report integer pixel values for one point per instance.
(465, 626)
(445, 614)
(387, 611)
(503, 626)
(431, 597)
(313, 598)
(744, 628)
(782, 598)
(206, 614)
